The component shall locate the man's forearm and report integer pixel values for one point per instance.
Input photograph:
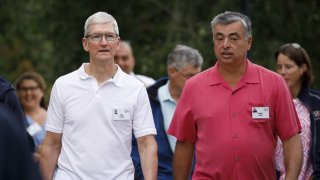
(150, 164)
(182, 160)
(48, 161)
(293, 156)
(149, 157)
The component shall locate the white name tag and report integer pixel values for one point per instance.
(34, 129)
(121, 115)
(260, 112)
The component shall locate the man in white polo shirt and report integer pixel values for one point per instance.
(92, 113)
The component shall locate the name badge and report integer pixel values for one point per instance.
(121, 115)
(34, 129)
(260, 112)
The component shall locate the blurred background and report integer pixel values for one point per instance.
(45, 35)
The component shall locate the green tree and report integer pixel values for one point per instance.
(46, 35)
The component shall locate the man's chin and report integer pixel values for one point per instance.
(226, 60)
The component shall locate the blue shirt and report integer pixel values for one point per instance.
(168, 106)
(36, 131)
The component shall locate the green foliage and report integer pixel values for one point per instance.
(46, 35)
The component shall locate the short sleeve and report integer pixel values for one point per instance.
(143, 123)
(287, 121)
(55, 120)
(183, 124)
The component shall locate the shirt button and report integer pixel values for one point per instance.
(233, 114)
(235, 136)
(237, 158)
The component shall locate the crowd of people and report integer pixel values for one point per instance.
(235, 120)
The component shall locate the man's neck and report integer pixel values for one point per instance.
(101, 73)
(174, 91)
(232, 73)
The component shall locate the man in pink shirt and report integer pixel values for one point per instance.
(232, 113)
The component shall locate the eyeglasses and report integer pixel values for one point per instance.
(184, 75)
(98, 37)
(26, 89)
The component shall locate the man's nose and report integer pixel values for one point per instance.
(103, 40)
(226, 43)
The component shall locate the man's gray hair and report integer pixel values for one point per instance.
(100, 18)
(183, 55)
(229, 17)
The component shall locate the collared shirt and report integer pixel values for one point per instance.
(231, 140)
(168, 106)
(97, 122)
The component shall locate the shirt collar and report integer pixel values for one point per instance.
(132, 73)
(164, 94)
(117, 79)
(250, 76)
(82, 74)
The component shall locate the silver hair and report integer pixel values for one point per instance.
(100, 18)
(182, 55)
(229, 17)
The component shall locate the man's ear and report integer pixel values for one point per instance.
(85, 44)
(249, 43)
(118, 44)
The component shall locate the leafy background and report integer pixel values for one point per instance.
(45, 35)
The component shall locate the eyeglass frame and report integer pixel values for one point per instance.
(26, 89)
(182, 74)
(100, 36)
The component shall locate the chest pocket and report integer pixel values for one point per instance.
(258, 114)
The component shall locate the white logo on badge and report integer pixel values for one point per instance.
(260, 112)
(121, 115)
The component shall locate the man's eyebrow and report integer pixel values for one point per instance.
(234, 34)
(231, 34)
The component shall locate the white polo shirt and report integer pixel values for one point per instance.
(96, 123)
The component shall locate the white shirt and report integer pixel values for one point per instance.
(168, 106)
(97, 122)
(147, 81)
